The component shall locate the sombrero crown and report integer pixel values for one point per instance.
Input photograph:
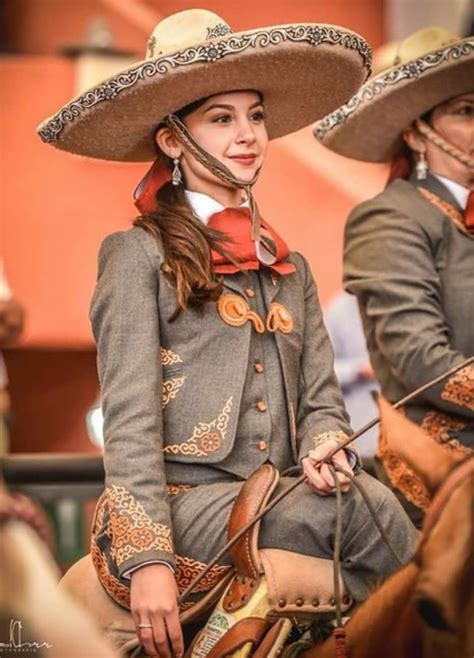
(430, 67)
(303, 71)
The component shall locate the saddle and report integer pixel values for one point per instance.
(252, 610)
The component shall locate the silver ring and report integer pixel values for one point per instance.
(145, 625)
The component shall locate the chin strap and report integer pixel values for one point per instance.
(217, 168)
(436, 139)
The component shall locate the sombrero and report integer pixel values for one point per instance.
(303, 71)
(431, 66)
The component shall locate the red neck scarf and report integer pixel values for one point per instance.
(237, 226)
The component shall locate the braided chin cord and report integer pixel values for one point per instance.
(436, 139)
(217, 168)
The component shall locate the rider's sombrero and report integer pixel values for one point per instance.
(303, 72)
(431, 66)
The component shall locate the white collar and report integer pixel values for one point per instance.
(459, 192)
(205, 206)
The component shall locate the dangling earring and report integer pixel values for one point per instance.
(177, 175)
(421, 167)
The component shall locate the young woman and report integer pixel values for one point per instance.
(409, 252)
(212, 353)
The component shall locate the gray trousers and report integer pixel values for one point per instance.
(305, 523)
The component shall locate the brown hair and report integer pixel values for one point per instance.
(187, 243)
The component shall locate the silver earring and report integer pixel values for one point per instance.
(421, 167)
(177, 175)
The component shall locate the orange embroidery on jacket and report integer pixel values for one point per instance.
(133, 531)
(187, 569)
(112, 585)
(235, 311)
(279, 319)
(438, 426)
(206, 437)
(168, 357)
(170, 388)
(459, 389)
(176, 489)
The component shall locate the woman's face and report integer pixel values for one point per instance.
(231, 127)
(454, 121)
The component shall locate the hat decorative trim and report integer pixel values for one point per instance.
(204, 53)
(414, 69)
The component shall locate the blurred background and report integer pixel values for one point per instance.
(56, 208)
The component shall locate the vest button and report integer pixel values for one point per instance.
(249, 292)
(262, 445)
(258, 367)
(261, 406)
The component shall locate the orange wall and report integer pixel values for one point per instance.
(56, 208)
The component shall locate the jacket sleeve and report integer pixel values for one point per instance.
(125, 323)
(389, 263)
(321, 414)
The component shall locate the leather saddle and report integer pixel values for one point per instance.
(256, 603)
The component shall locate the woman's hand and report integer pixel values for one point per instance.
(154, 602)
(319, 477)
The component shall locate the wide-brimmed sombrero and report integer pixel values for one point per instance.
(303, 72)
(431, 66)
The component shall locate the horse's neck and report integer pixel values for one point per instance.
(386, 624)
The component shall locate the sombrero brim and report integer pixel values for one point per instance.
(303, 72)
(369, 126)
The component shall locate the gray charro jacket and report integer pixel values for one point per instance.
(412, 269)
(172, 391)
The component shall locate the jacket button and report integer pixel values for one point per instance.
(315, 602)
(262, 445)
(282, 603)
(249, 292)
(299, 602)
(258, 367)
(261, 406)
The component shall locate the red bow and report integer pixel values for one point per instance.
(236, 224)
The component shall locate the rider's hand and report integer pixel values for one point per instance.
(154, 601)
(319, 477)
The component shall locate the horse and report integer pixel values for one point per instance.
(426, 609)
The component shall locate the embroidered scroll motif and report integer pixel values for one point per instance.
(133, 531)
(168, 357)
(445, 207)
(206, 437)
(187, 569)
(459, 389)
(176, 489)
(112, 585)
(170, 389)
(235, 311)
(438, 426)
(279, 319)
(219, 30)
